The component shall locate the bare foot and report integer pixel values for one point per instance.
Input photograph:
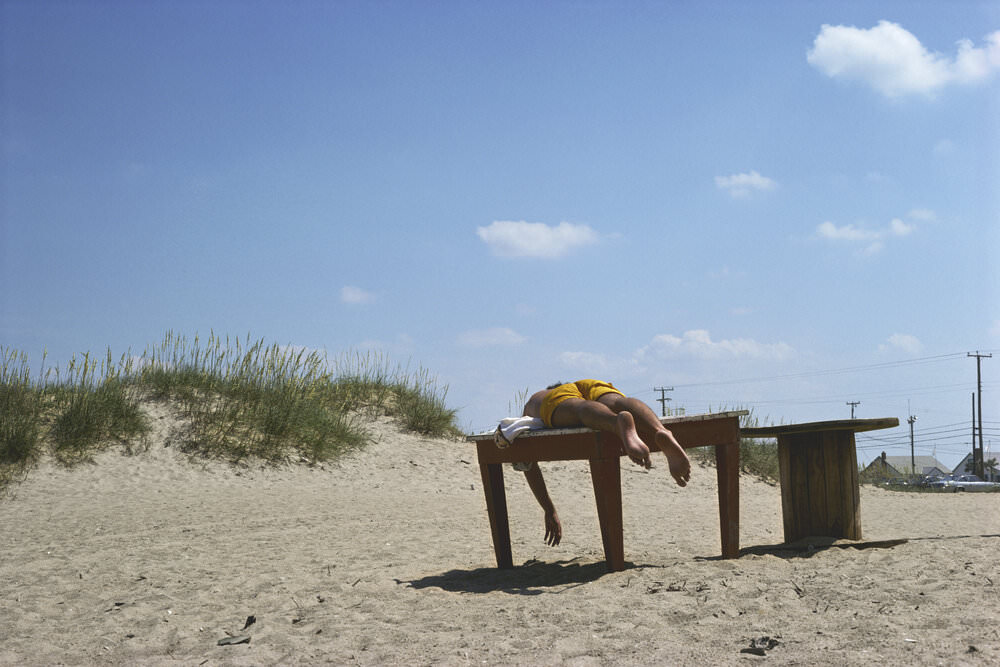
(677, 459)
(636, 449)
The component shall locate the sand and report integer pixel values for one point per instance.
(385, 558)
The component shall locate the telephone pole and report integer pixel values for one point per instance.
(977, 455)
(663, 398)
(913, 459)
(853, 404)
(973, 435)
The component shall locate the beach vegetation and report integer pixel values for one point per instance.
(758, 456)
(237, 399)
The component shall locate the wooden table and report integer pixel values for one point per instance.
(818, 467)
(603, 451)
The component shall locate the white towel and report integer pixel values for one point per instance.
(511, 427)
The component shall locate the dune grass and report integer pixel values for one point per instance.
(758, 457)
(239, 398)
(20, 416)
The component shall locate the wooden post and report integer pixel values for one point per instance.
(496, 507)
(727, 467)
(607, 480)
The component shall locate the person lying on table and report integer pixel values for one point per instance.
(598, 405)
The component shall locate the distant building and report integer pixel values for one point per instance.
(903, 467)
(964, 467)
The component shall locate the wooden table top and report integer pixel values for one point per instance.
(856, 425)
(666, 421)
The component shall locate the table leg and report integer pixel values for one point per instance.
(727, 465)
(496, 506)
(607, 480)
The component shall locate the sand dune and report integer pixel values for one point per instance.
(385, 558)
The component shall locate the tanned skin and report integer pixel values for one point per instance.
(628, 418)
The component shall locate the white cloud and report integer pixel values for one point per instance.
(922, 214)
(871, 249)
(525, 309)
(490, 337)
(726, 273)
(402, 345)
(892, 60)
(943, 148)
(740, 185)
(698, 343)
(903, 342)
(351, 294)
(535, 239)
(828, 230)
(874, 238)
(590, 363)
(899, 228)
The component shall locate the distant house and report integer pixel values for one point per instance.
(903, 467)
(964, 467)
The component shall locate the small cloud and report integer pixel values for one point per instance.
(872, 249)
(943, 148)
(525, 309)
(589, 362)
(874, 177)
(741, 311)
(698, 343)
(873, 238)
(922, 214)
(351, 294)
(535, 239)
(903, 342)
(741, 185)
(899, 228)
(402, 345)
(892, 60)
(828, 230)
(725, 273)
(502, 336)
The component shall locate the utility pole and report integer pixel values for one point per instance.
(853, 404)
(913, 459)
(978, 461)
(663, 398)
(973, 435)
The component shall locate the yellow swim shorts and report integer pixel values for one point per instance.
(589, 390)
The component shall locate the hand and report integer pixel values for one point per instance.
(553, 529)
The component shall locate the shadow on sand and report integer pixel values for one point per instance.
(532, 578)
(808, 547)
(535, 577)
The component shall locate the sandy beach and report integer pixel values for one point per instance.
(385, 558)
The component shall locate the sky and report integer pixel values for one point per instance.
(783, 206)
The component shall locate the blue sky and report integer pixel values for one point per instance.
(783, 206)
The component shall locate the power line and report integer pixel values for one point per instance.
(837, 371)
(889, 393)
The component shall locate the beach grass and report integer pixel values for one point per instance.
(758, 457)
(20, 416)
(239, 399)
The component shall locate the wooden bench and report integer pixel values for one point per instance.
(603, 451)
(818, 467)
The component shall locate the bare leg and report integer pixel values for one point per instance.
(597, 415)
(651, 430)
